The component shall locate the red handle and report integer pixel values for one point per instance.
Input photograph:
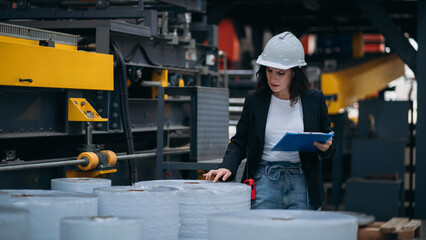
(250, 182)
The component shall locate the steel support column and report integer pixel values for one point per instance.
(420, 185)
(102, 40)
(193, 124)
(396, 39)
(337, 162)
(150, 20)
(211, 30)
(160, 133)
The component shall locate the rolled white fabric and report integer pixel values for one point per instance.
(157, 207)
(14, 223)
(198, 198)
(101, 227)
(81, 185)
(47, 207)
(282, 224)
(5, 199)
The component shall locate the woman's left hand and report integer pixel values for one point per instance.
(324, 146)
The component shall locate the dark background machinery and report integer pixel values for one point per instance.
(161, 65)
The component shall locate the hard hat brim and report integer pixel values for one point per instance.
(260, 61)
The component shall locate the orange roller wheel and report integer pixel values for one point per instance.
(112, 158)
(93, 161)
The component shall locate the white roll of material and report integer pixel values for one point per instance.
(5, 199)
(81, 185)
(101, 227)
(14, 223)
(282, 224)
(47, 207)
(198, 198)
(157, 207)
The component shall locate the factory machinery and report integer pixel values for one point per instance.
(132, 98)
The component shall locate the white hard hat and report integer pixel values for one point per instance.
(283, 51)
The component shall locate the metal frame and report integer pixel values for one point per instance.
(390, 31)
(101, 10)
(155, 46)
(192, 5)
(400, 43)
(43, 13)
(124, 35)
(192, 165)
(420, 193)
(48, 163)
(337, 160)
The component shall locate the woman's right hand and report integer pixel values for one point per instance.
(218, 173)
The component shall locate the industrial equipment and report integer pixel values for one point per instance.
(112, 82)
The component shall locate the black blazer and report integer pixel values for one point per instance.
(250, 139)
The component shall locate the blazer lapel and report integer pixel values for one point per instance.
(261, 108)
(307, 115)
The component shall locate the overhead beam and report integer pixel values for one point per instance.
(420, 193)
(216, 13)
(397, 40)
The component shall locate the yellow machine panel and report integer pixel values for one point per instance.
(161, 76)
(28, 65)
(80, 110)
(34, 42)
(89, 174)
(358, 45)
(360, 81)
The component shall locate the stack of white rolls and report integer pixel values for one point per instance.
(14, 223)
(157, 207)
(101, 227)
(47, 207)
(5, 199)
(81, 185)
(282, 224)
(198, 198)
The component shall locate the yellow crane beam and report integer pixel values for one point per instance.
(354, 83)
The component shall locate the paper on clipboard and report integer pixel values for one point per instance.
(302, 141)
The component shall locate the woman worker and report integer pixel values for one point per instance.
(282, 102)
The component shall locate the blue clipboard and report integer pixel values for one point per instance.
(302, 142)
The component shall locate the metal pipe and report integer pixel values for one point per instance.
(150, 84)
(154, 154)
(69, 162)
(29, 165)
(136, 156)
(89, 127)
(225, 69)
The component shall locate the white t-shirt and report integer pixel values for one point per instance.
(282, 118)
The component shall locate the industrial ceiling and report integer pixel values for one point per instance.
(312, 16)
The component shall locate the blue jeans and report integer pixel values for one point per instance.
(280, 185)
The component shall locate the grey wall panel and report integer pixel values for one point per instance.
(390, 118)
(377, 157)
(376, 197)
(31, 111)
(143, 113)
(212, 123)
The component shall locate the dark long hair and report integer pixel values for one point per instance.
(299, 83)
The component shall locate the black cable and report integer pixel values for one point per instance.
(125, 112)
(132, 54)
(138, 46)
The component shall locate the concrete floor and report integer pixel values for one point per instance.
(423, 236)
